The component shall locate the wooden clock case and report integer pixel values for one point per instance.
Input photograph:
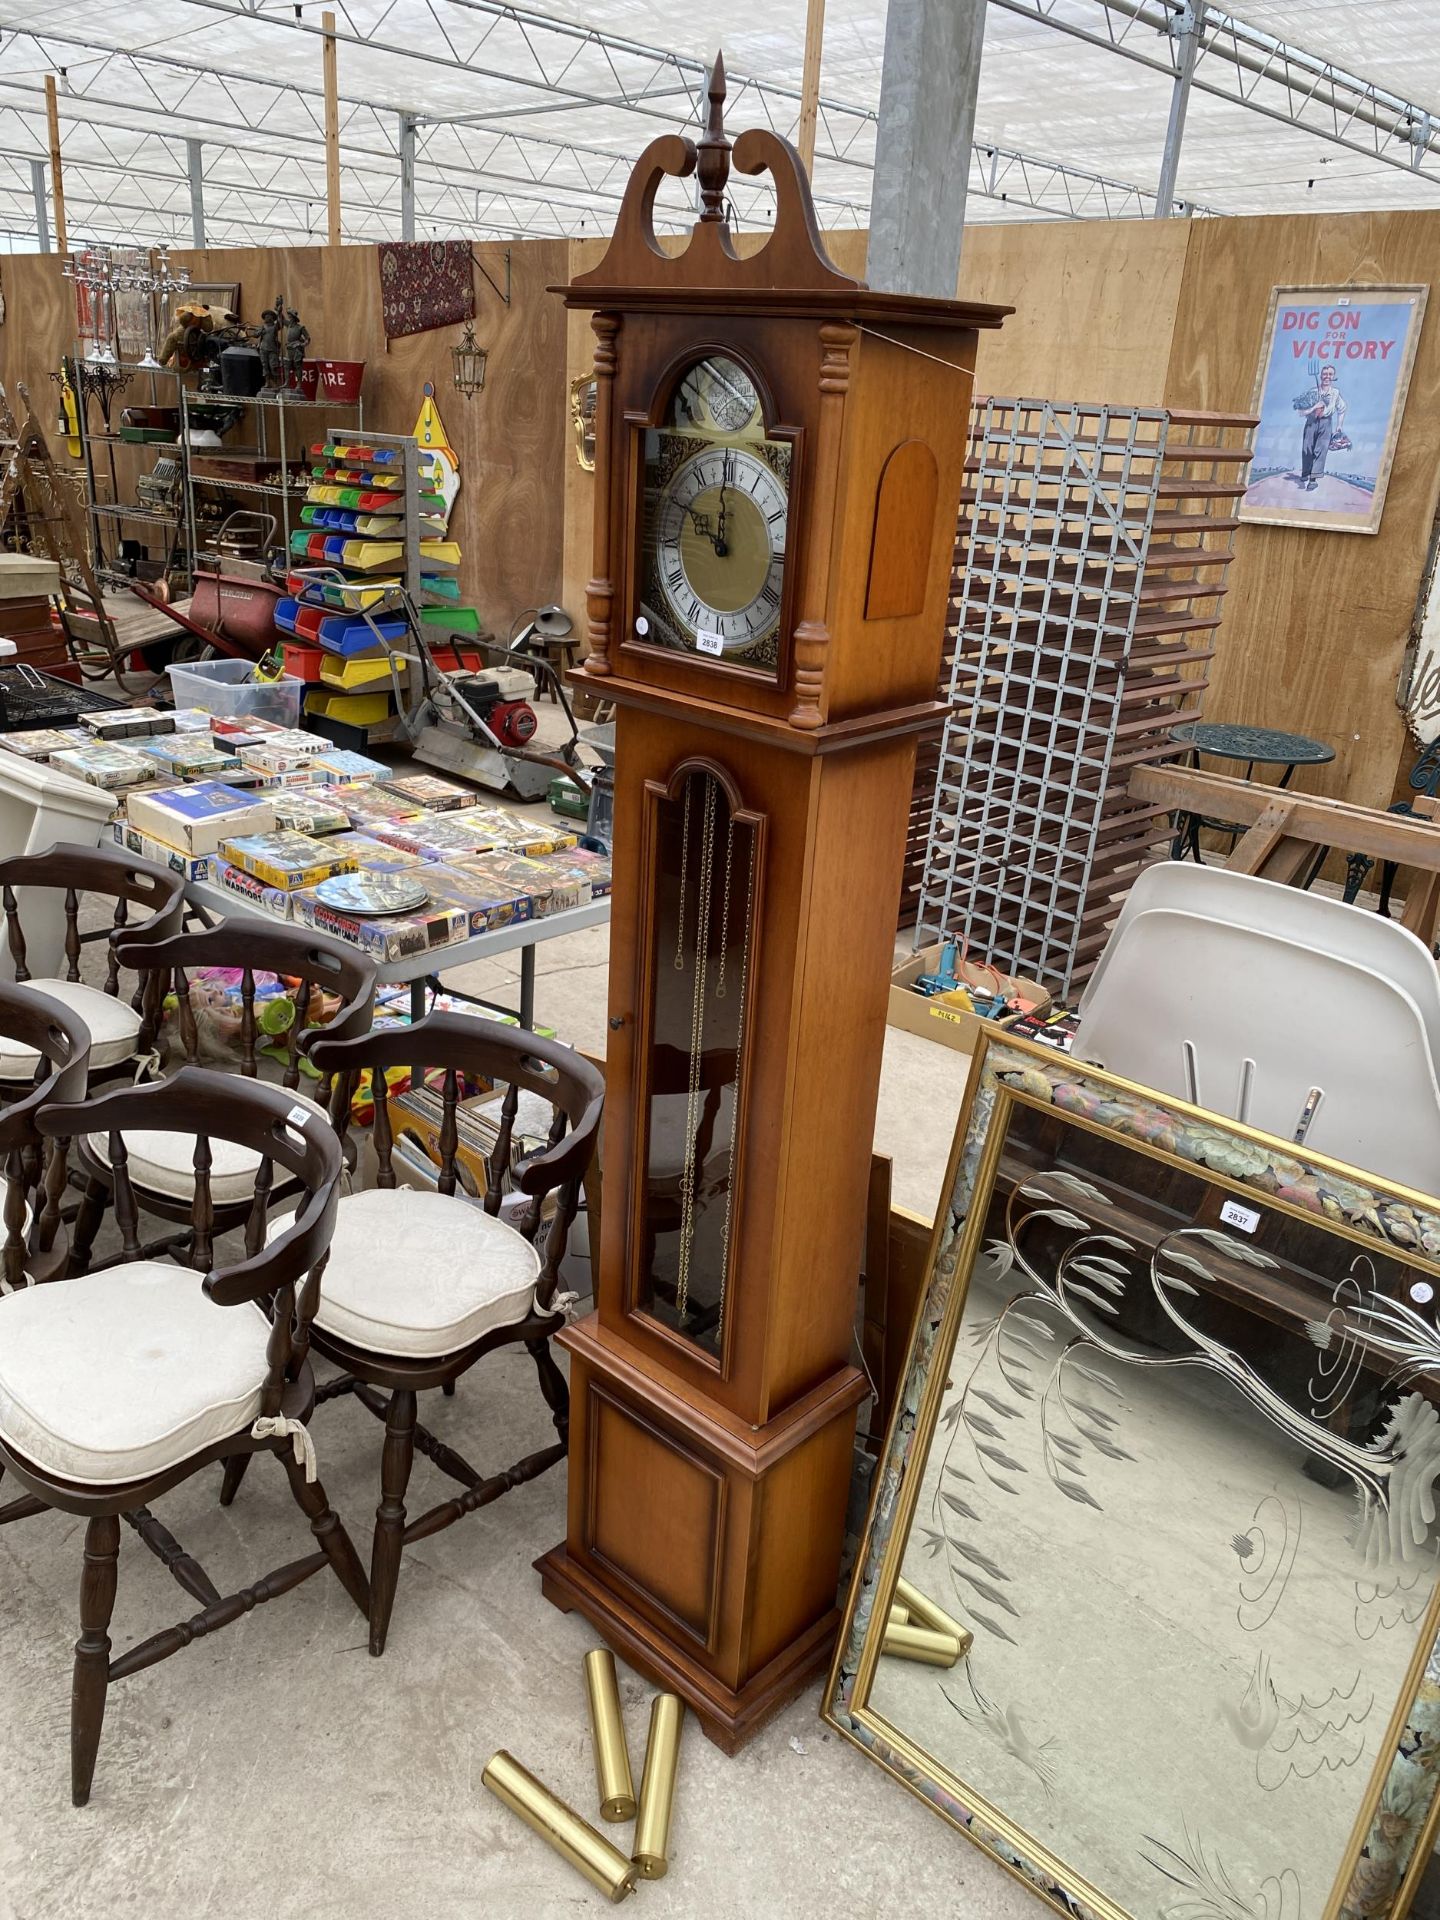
(708, 1489)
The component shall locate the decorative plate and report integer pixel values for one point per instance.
(373, 892)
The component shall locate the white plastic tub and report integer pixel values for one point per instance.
(38, 809)
(229, 689)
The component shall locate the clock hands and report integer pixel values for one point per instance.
(726, 474)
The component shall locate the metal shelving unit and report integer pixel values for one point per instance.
(1089, 575)
(187, 549)
(287, 491)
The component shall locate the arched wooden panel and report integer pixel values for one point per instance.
(904, 523)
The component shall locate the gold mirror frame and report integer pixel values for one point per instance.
(582, 420)
(1395, 1827)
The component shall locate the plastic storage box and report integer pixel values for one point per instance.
(229, 688)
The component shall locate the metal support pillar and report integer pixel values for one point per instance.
(922, 147)
(195, 166)
(42, 214)
(407, 176)
(1185, 38)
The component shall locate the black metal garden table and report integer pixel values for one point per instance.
(1257, 747)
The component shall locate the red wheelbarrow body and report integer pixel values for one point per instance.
(233, 615)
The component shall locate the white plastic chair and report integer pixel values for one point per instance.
(1300, 1040)
(1288, 913)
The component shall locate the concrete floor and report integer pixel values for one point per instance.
(276, 1769)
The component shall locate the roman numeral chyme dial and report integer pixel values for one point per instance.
(719, 557)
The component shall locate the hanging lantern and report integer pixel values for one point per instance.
(469, 362)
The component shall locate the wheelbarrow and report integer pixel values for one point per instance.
(228, 613)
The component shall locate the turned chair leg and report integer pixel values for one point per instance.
(552, 1385)
(92, 1651)
(235, 1468)
(328, 1529)
(87, 1224)
(395, 1464)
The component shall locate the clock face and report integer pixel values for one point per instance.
(716, 513)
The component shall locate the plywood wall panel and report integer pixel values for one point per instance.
(1095, 304)
(510, 438)
(1315, 623)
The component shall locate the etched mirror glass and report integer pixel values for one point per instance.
(1166, 1472)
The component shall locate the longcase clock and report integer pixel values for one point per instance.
(778, 467)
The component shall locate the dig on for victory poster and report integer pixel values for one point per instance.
(1330, 391)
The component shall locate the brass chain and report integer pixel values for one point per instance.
(684, 863)
(697, 1034)
(735, 1112)
(725, 910)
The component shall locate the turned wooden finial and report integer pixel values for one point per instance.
(713, 149)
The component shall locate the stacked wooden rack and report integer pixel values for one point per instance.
(1090, 568)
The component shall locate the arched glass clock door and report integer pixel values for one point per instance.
(714, 523)
(705, 869)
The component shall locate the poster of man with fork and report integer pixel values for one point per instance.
(1330, 390)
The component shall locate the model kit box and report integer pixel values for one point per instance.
(244, 723)
(371, 855)
(37, 743)
(190, 756)
(309, 810)
(337, 765)
(296, 740)
(111, 767)
(129, 837)
(245, 886)
(369, 806)
(288, 860)
(197, 818)
(428, 790)
(594, 867)
(545, 882)
(512, 833)
(270, 758)
(488, 903)
(127, 723)
(396, 936)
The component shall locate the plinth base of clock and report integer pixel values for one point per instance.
(704, 1551)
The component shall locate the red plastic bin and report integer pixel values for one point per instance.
(302, 663)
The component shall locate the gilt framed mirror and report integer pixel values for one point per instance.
(1147, 1602)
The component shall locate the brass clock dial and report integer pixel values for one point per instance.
(712, 575)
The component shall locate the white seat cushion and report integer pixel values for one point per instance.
(114, 1027)
(165, 1162)
(420, 1274)
(118, 1375)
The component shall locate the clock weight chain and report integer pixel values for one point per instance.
(705, 953)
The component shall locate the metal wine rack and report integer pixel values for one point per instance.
(1089, 570)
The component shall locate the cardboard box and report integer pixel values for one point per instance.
(395, 937)
(371, 855)
(488, 903)
(288, 860)
(197, 818)
(189, 866)
(309, 810)
(336, 767)
(275, 900)
(127, 723)
(189, 756)
(952, 1026)
(111, 767)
